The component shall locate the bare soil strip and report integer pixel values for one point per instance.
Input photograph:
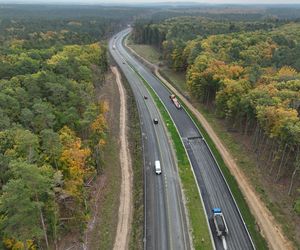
(270, 229)
(125, 209)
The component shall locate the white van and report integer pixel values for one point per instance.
(157, 167)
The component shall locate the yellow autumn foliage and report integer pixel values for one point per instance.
(73, 158)
(287, 71)
(100, 124)
(274, 118)
(13, 244)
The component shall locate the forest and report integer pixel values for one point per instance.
(244, 67)
(247, 72)
(52, 127)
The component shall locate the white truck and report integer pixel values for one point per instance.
(220, 225)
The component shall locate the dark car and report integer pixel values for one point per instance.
(155, 120)
(145, 97)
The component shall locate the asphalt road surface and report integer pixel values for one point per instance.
(165, 219)
(214, 189)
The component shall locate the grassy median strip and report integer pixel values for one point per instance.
(200, 233)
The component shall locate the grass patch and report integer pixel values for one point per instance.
(200, 233)
(110, 203)
(152, 55)
(146, 51)
(177, 78)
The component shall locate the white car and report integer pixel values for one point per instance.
(157, 167)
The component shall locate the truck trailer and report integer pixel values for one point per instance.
(175, 101)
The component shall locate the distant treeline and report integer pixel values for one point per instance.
(228, 12)
(42, 26)
(183, 29)
(54, 12)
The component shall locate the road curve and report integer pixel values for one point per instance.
(214, 189)
(165, 219)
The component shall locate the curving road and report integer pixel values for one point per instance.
(214, 189)
(165, 219)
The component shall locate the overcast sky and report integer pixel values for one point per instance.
(155, 1)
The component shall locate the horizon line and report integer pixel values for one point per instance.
(93, 2)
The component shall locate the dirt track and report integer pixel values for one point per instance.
(125, 209)
(270, 229)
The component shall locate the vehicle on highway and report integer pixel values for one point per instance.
(114, 46)
(220, 225)
(155, 120)
(219, 222)
(157, 167)
(145, 97)
(123, 62)
(175, 101)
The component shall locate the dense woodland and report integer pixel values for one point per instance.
(234, 12)
(52, 128)
(248, 72)
(245, 67)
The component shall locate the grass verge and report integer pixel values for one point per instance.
(176, 78)
(145, 51)
(200, 233)
(153, 56)
(105, 237)
(135, 145)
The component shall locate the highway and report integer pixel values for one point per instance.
(165, 217)
(214, 189)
